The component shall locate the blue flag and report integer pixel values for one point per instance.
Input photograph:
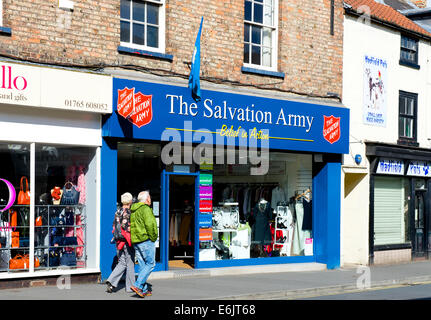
(194, 80)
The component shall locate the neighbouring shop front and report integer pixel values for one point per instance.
(50, 141)
(399, 203)
(234, 179)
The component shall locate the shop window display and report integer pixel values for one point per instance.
(264, 215)
(14, 223)
(60, 210)
(60, 206)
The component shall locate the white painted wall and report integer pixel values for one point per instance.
(374, 40)
(27, 124)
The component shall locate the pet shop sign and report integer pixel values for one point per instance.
(375, 91)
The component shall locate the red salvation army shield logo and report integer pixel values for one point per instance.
(125, 102)
(143, 112)
(331, 129)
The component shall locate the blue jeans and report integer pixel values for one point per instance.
(146, 255)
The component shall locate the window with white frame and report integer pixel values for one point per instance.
(143, 24)
(260, 33)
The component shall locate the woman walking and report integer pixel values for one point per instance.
(125, 251)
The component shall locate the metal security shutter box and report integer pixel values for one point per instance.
(388, 210)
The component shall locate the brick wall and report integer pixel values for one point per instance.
(310, 57)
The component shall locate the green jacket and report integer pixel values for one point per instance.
(143, 224)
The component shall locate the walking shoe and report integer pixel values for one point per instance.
(148, 293)
(138, 291)
(110, 287)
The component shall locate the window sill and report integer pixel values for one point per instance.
(263, 72)
(406, 142)
(5, 31)
(145, 53)
(409, 64)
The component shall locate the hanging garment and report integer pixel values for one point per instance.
(226, 193)
(295, 241)
(172, 229)
(308, 214)
(81, 186)
(246, 200)
(277, 196)
(80, 237)
(177, 228)
(71, 175)
(300, 235)
(186, 220)
(241, 203)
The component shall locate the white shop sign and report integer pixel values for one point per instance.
(47, 87)
(390, 166)
(419, 169)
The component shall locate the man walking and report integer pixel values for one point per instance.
(144, 233)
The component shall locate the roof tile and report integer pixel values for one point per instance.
(387, 14)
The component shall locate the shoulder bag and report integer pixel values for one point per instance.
(24, 196)
(70, 195)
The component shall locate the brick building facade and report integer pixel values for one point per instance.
(308, 55)
(270, 64)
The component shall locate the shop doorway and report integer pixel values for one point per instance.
(419, 230)
(180, 206)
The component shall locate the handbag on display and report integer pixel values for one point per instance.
(38, 222)
(13, 216)
(58, 220)
(24, 196)
(70, 195)
(68, 259)
(64, 241)
(15, 239)
(22, 262)
(5, 234)
(24, 242)
(69, 218)
(4, 259)
(3, 242)
(54, 258)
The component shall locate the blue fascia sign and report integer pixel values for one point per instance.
(390, 166)
(153, 111)
(419, 169)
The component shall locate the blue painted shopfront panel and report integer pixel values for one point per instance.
(285, 125)
(327, 215)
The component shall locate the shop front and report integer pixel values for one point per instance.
(50, 170)
(399, 203)
(235, 179)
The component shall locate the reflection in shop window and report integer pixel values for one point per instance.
(14, 223)
(64, 189)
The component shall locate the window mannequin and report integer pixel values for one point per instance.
(260, 227)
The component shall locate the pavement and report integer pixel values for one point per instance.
(277, 282)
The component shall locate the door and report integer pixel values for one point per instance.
(166, 198)
(419, 231)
